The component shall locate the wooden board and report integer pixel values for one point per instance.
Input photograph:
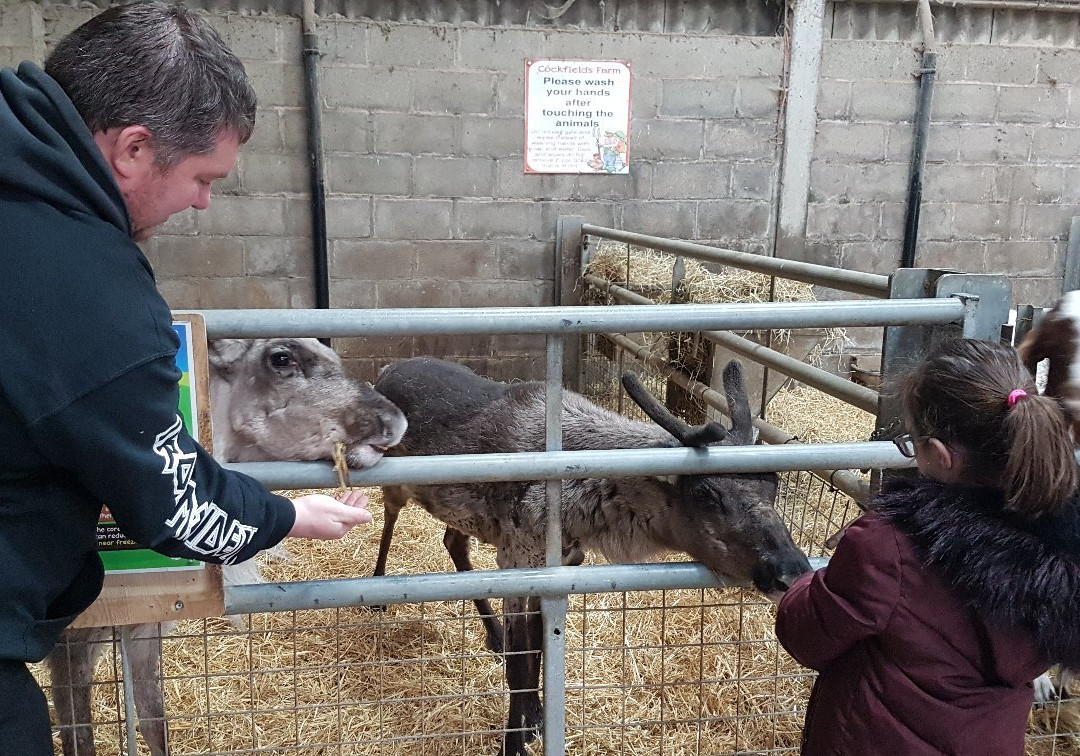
(165, 595)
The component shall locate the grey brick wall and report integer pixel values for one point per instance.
(1002, 162)
(428, 204)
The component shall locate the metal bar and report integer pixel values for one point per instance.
(800, 128)
(854, 486)
(553, 430)
(462, 586)
(568, 465)
(585, 319)
(553, 610)
(129, 694)
(862, 397)
(859, 396)
(1071, 279)
(857, 282)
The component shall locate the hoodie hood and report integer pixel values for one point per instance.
(48, 154)
(1012, 570)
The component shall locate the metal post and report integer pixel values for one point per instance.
(553, 609)
(569, 265)
(1071, 279)
(800, 122)
(901, 348)
(129, 695)
(987, 299)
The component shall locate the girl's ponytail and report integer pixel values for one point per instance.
(1041, 474)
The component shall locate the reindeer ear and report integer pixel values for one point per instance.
(742, 422)
(224, 353)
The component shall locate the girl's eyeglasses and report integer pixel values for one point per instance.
(905, 442)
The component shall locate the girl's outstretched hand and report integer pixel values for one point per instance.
(324, 517)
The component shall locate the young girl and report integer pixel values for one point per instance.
(941, 605)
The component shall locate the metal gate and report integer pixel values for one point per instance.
(656, 658)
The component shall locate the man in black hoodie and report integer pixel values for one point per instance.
(137, 112)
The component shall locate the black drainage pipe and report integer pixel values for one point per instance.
(918, 157)
(315, 158)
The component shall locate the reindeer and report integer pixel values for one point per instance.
(270, 399)
(1057, 339)
(725, 521)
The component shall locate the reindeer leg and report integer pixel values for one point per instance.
(142, 643)
(71, 669)
(394, 498)
(524, 634)
(457, 543)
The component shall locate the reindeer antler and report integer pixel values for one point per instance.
(688, 435)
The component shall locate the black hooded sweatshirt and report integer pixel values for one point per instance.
(88, 385)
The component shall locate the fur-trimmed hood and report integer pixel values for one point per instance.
(1014, 571)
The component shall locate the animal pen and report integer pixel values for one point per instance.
(657, 658)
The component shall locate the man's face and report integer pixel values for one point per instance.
(156, 196)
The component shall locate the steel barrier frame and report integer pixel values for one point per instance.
(555, 583)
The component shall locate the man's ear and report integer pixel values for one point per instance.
(129, 151)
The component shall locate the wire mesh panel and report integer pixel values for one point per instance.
(764, 707)
(681, 672)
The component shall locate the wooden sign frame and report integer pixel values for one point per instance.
(166, 594)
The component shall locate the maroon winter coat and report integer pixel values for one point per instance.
(907, 666)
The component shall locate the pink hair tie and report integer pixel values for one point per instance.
(1015, 395)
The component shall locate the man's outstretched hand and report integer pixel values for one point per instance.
(328, 518)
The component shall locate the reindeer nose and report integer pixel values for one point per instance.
(787, 580)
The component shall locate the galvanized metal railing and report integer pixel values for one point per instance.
(854, 281)
(552, 583)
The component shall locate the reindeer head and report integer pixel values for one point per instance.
(1057, 339)
(727, 521)
(292, 399)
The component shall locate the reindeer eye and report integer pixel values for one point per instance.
(281, 359)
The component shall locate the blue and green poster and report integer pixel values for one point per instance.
(118, 552)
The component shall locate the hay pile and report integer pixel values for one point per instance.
(650, 273)
(815, 417)
(649, 270)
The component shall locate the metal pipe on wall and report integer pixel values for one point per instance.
(927, 74)
(315, 157)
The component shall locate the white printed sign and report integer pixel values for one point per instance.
(577, 116)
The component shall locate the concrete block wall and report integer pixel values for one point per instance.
(427, 201)
(22, 34)
(428, 204)
(1002, 177)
